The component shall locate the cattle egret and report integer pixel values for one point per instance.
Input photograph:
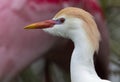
(78, 25)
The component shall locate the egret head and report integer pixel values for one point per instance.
(69, 23)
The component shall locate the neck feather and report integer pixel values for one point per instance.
(82, 65)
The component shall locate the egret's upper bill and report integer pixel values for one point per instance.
(41, 25)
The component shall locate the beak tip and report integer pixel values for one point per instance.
(26, 27)
(29, 26)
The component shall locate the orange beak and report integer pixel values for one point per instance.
(41, 25)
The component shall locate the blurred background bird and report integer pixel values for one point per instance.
(20, 49)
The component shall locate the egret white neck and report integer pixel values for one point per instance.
(82, 65)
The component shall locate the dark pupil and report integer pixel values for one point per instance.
(62, 20)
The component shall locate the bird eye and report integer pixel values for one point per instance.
(60, 20)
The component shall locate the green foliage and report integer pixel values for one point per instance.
(28, 76)
(112, 11)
